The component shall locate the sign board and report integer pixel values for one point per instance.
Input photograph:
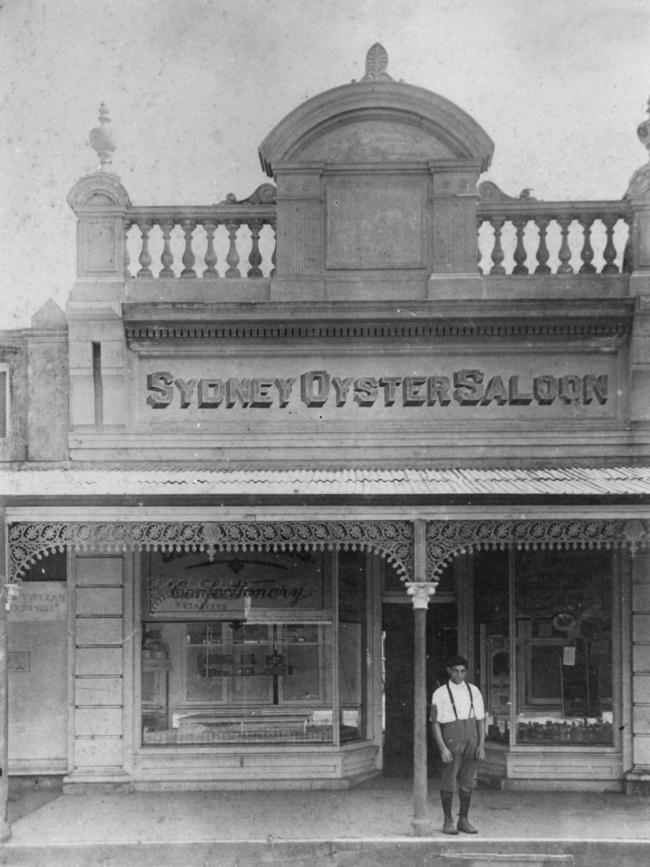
(234, 585)
(423, 390)
(39, 600)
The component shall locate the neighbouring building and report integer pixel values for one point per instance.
(283, 454)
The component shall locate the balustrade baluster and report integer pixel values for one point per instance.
(542, 254)
(587, 252)
(497, 251)
(520, 254)
(272, 224)
(609, 253)
(127, 259)
(233, 256)
(564, 253)
(189, 258)
(255, 257)
(144, 258)
(166, 257)
(479, 252)
(210, 272)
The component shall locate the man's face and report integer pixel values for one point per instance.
(457, 673)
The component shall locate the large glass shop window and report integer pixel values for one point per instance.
(352, 632)
(239, 649)
(545, 632)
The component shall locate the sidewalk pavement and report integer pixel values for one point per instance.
(369, 824)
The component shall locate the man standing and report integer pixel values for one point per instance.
(457, 718)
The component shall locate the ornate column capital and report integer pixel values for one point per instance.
(420, 592)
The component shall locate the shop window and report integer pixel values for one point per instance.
(352, 637)
(544, 628)
(563, 634)
(239, 649)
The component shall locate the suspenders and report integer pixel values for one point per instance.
(471, 701)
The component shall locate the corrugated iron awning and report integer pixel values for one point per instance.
(29, 481)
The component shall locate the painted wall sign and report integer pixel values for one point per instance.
(318, 388)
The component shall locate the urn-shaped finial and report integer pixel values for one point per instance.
(101, 138)
(643, 131)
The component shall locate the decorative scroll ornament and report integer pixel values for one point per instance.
(101, 139)
(265, 194)
(446, 540)
(393, 540)
(376, 64)
(488, 191)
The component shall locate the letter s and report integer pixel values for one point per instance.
(162, 383)
(468, 390)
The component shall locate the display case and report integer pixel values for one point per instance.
(240, 683)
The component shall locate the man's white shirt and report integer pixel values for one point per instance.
(462, 701)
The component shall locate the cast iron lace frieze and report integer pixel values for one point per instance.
(392, 540)
(446, 540)
(29, 542)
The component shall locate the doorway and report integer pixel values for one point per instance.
(398, 640)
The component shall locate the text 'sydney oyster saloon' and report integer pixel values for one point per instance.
(317, 388)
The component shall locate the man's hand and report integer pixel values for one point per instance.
(480, 753)
(445, 754)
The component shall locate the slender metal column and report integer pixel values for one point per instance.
(421, 590)
(5, 828)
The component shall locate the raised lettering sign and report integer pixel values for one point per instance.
(469, 387)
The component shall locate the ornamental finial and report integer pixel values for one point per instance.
(101, 138)
(376, 64)
(643, 131)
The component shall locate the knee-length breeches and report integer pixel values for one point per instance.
(461, 739)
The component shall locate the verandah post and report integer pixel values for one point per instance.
(421, 590)
(5, 828)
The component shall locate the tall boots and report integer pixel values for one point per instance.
(463, 823)
(448, 826)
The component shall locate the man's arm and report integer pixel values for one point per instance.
(480, 748)
(445, 755)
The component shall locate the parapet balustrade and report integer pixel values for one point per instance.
(234, 239)
(524, 236)
(516, 237)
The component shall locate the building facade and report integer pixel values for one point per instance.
(283, 454)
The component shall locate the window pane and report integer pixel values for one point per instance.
(232, 682)
(563, 641)
(350, 679)
(491, 590)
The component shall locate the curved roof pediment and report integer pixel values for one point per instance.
(376, 121)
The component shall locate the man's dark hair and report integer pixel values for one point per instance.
(456, 660)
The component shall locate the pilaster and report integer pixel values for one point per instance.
(638, 778)
(96, 332)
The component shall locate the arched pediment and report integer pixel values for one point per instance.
(376, 121)
(98, 190)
